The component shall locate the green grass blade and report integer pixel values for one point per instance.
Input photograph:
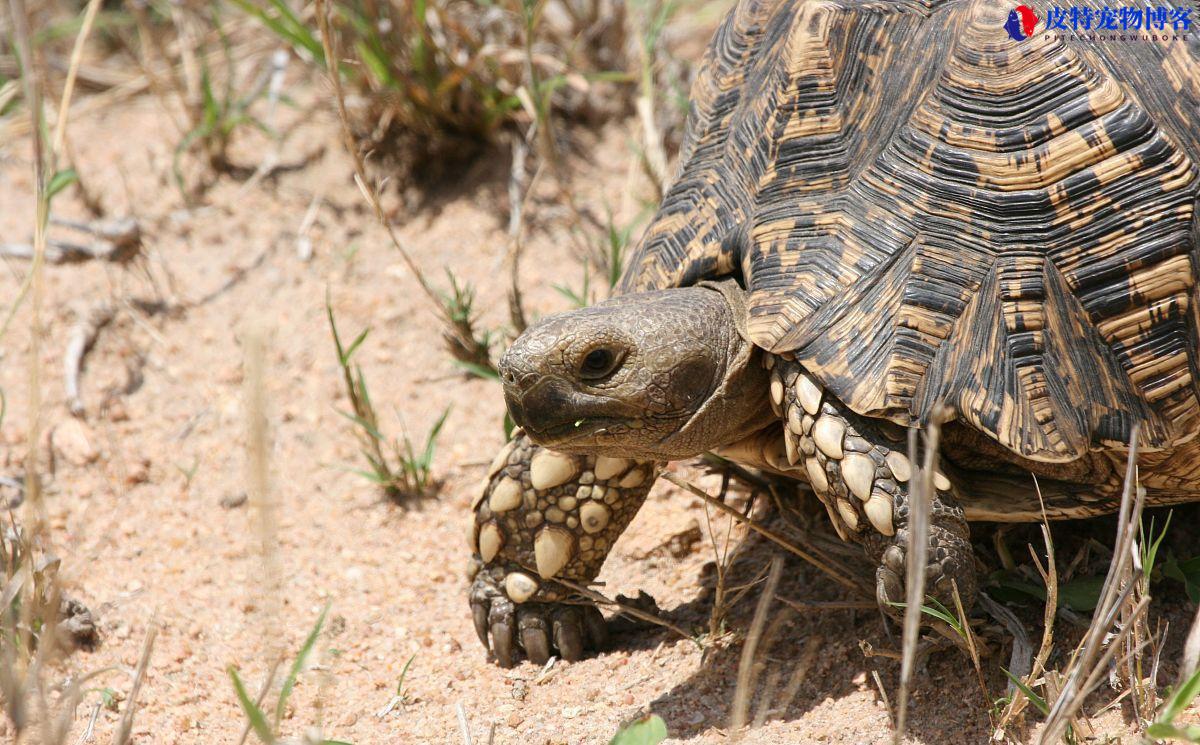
(939, 612)
(59, 181)
(258, 720)
(363, 424)
(431, 441)
(476, 369)
(1188, 733)
(1180, 699)
(298, 664)
(1034, 699)
(287, 27)
(404, 673)
(354, 345)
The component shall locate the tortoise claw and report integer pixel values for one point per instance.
(597, 629)
(568, 633)
(500, 619)
(534, 637)
(480, 614)
(538, 630)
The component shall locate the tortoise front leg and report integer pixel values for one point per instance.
(863, 476)
(543, 516)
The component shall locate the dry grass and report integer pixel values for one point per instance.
(33, 630)
(1105, 635)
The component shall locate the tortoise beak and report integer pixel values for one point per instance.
(535, 400)
(550, 409)
(541, 406)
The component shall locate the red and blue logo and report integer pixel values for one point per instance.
(1021, 23)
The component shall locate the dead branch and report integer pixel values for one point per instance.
(80, 340)
(115, 240)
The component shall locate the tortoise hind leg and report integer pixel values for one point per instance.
(861, 474)
(542, 516)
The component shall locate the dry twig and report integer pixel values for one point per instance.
(623, 608)
(845, 579)
(126, 727)
(80, 339)
(746, 666)
(918, 539)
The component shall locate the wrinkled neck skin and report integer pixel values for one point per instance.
(687, 381)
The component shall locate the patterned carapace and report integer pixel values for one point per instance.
(924, 210)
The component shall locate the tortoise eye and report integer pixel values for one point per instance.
(598, 363)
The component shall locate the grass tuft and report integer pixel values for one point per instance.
(470, 347)
(400, 468)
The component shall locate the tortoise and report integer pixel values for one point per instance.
(885, 213)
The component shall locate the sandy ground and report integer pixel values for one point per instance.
(145, 503)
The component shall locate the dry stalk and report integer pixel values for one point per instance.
(723, 559)
(1098, 646)
(150, 41)
(972, 647)
(21, 676)
(518, 200)
(843, 578)
(258, 485)
(126, 728)
(746, 666)
(1049, 574)
(918, 539)
(60, 126)
(764, 701)
(36, 510)
(464, 727)
(800, 673)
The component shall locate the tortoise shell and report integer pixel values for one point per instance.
(926, 211)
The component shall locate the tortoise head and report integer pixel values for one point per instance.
(657, 375)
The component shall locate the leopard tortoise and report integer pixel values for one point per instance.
(883, 210)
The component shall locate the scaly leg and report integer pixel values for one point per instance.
(859, 471)
(544, 515)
